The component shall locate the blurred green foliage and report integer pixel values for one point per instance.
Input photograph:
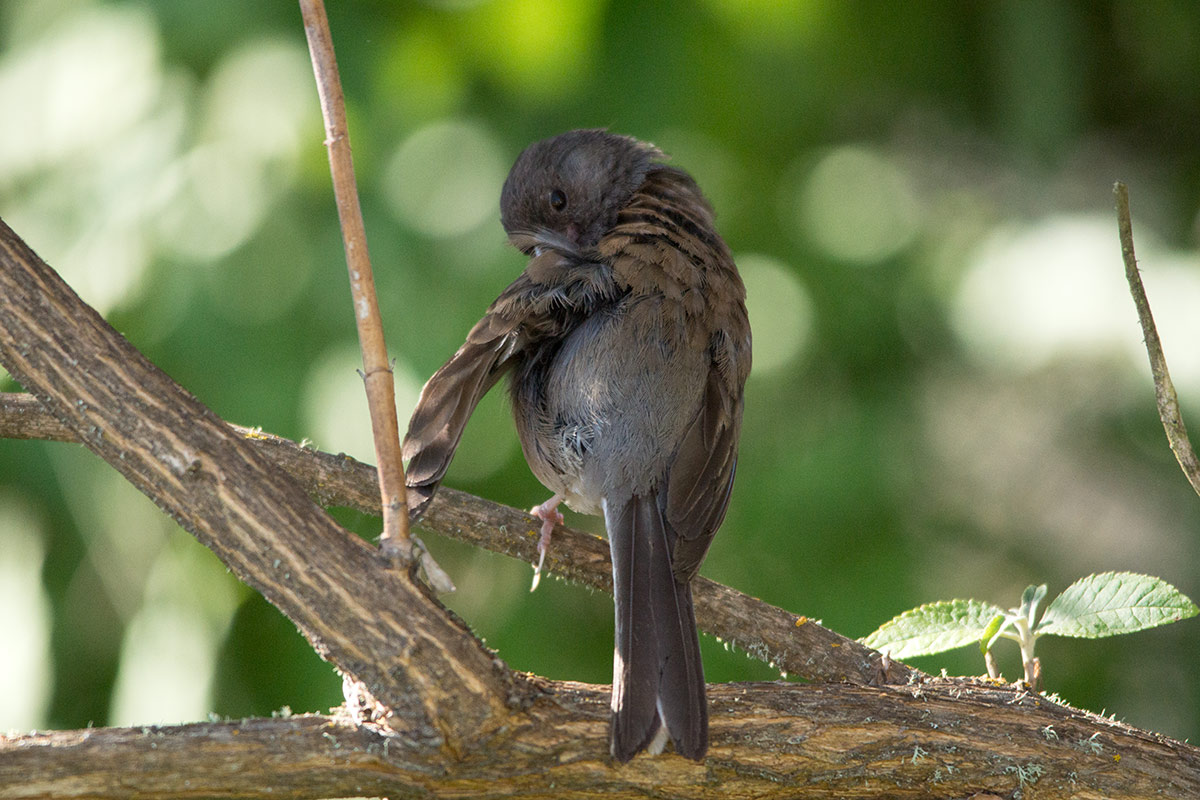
(949, 399)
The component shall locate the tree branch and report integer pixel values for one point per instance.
(377, 626)
(944, 739)
(794, 644)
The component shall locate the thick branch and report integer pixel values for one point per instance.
(944, 739)
(795, 645)
(376, 625)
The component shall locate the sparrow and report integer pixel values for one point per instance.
(626, 345)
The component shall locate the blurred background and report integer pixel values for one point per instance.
(949, 397)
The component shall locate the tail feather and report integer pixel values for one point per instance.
(658, 677)
(682, 700)
(635, 718)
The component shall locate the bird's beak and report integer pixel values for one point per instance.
(534, 243)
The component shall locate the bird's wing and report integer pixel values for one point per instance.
(553, 294)
(700, 476)
(664, 245)
(447, 402)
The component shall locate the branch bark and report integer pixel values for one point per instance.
(945, 739)
(386, 634)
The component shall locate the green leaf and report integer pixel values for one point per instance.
(991, 633)
(1032, 595)
(1113, 603)
(934, 627)
(1030, 598)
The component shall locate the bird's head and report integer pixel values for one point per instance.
(563, 193)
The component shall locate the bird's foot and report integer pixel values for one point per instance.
(550, 516)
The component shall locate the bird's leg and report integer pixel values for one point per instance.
(550, 516)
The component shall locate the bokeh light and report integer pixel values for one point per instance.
(780, 312)
(260, 96)
(1172, 280)
(1056, 289)
(82, 84)
(445, 178)
(856, 205)
(532, 47)
(24, 617)
(335, 402)
(78, 96)
(255, 109)
(168, 656)
(1044, 291)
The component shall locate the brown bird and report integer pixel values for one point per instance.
(627, 345)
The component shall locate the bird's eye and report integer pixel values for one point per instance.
(558, 199)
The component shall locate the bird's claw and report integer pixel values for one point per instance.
(550, 516)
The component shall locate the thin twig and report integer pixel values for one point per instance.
(1164, 389)
(377, 372)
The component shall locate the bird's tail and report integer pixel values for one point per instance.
(658, 678)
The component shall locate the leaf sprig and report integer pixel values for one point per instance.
(1107, 604)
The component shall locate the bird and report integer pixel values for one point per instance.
(627, 346)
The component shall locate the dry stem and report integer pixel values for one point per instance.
(377, 371)
(1164, 389)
